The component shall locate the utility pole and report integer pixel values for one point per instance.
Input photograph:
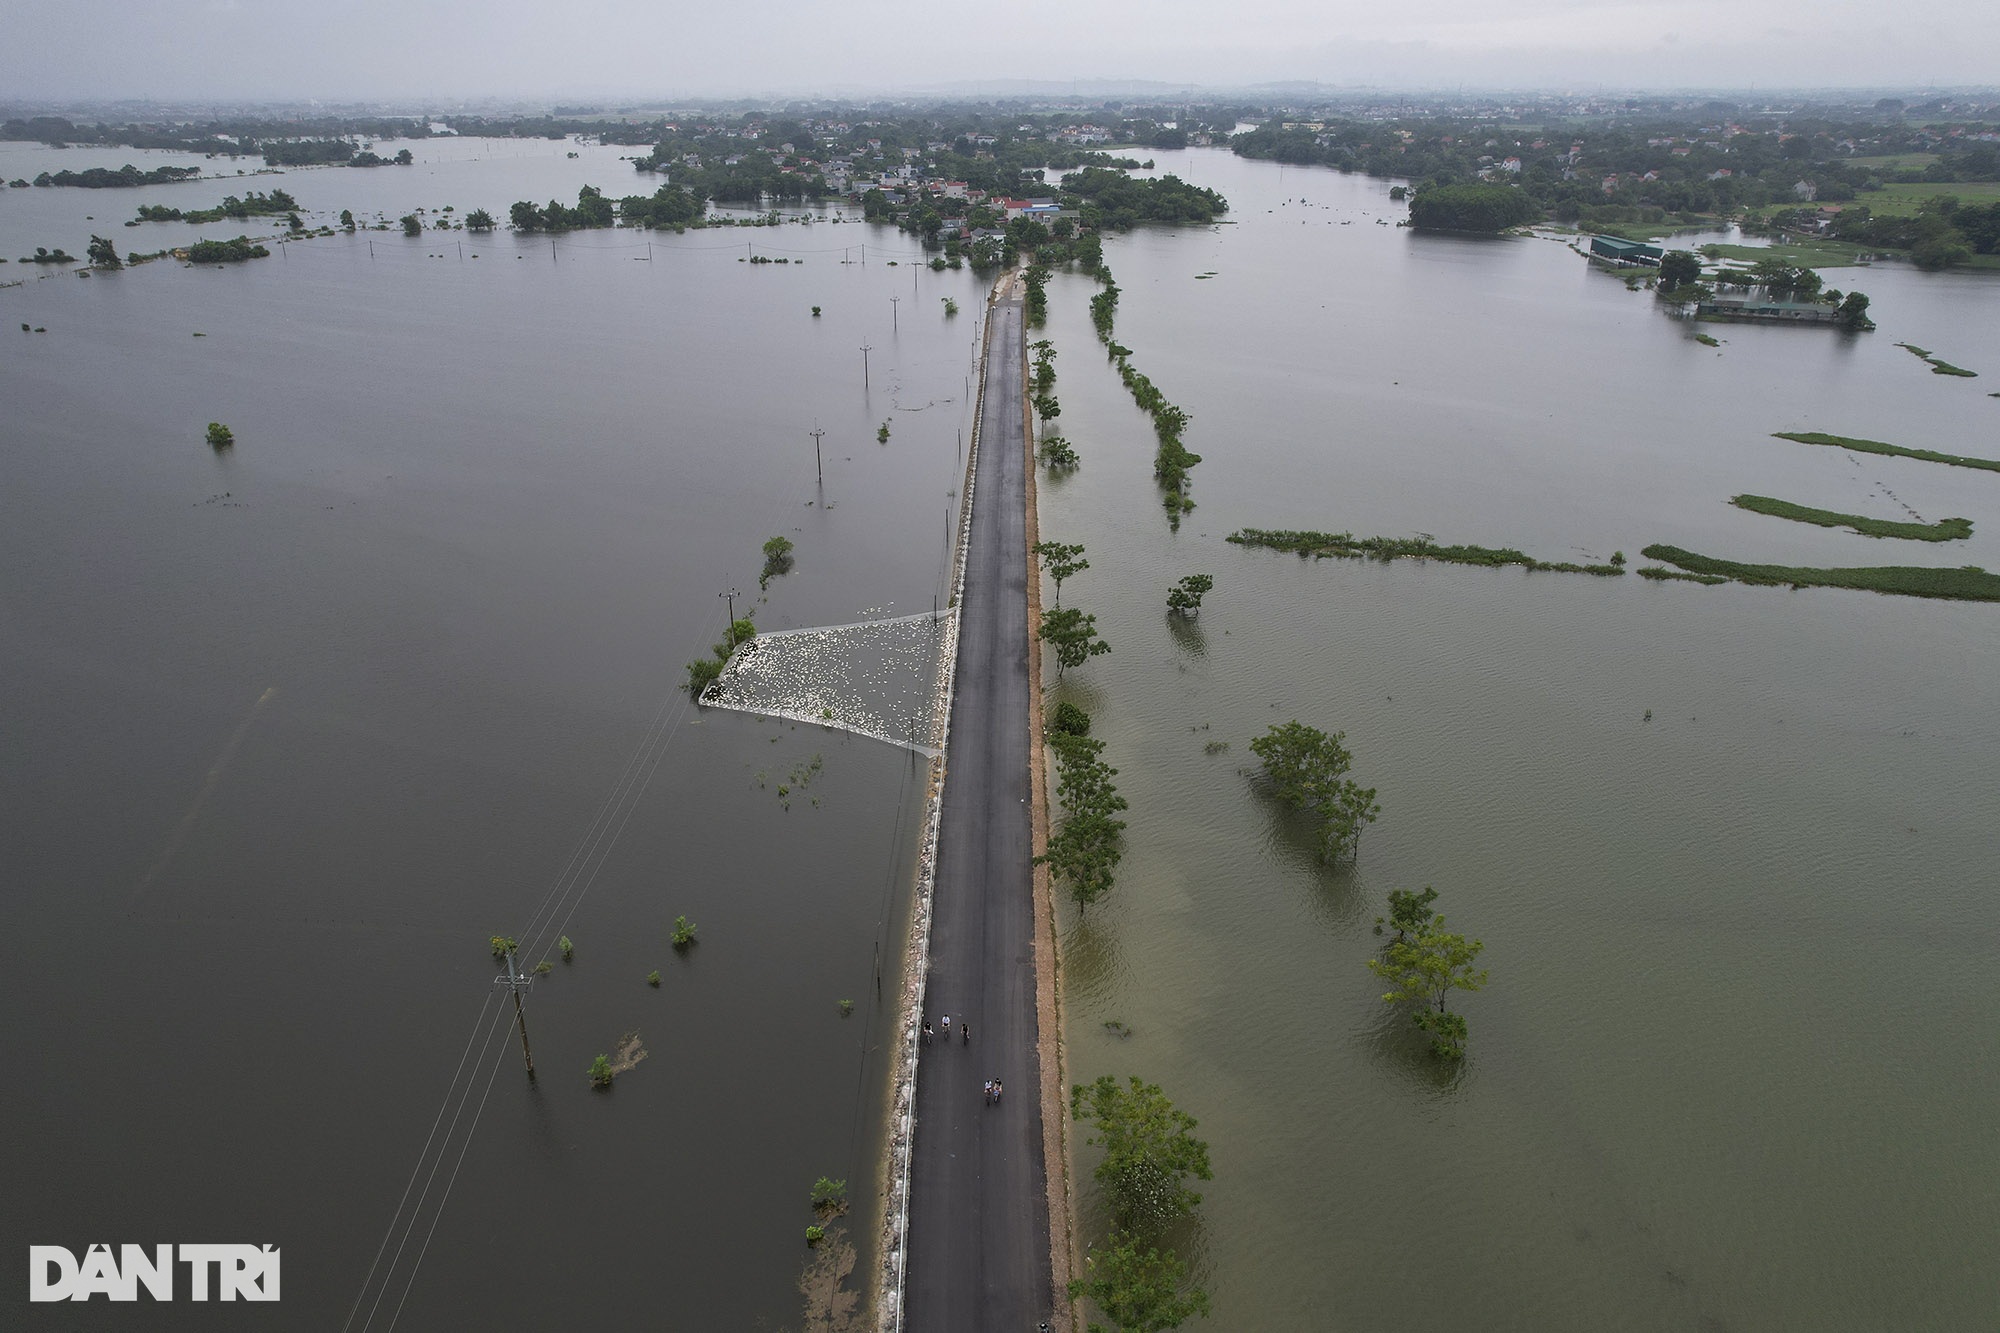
(518, 981)
(864, 365)
(818, 466)
(895, 309)
(731, 595)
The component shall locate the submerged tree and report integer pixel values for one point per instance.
(1061, 561)
(1184, 598)
(777, 560)
(1074, 637)
(1410, 912)
(1150, 1151)
(1424, 970)
(1307, 769)
(1137, 1287)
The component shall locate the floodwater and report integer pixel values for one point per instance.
(1735, 1066)
(291, 730)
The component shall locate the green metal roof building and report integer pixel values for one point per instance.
(1624, 251)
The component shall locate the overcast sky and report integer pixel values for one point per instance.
(570, 49)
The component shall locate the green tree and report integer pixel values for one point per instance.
(1058, 454)
(829, 1196)
(1354, 808)
(683, 933)
(220, 436)
(1047, 408)
(1060, 561)
(1410, 912)
(1679, 268)
(479, 220)
(1424, 970)
(347, 219)
(1150, 1151)
(103, 253)
(1853, 312)
(502, 945)
(777, 560)
(412, 227)
(600, 1072)
(1307, 769)
(1074, 637)
(701, 674)
(1137, 1288)
(1184, 598)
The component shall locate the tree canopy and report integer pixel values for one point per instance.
(1479, 208)
(1150, 1151)
(1307, 769)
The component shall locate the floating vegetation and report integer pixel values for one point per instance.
(1939, 366)
(1891, 450)
(1346, 545)
(1707, 340)
(878, 678)
(1944, 530)
(1967, 583)
(630, 1053)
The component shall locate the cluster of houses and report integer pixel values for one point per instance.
(901, 174)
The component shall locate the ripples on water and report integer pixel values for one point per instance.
(1733, 1067)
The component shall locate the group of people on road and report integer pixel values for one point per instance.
(993, 1088)
(964, 1030)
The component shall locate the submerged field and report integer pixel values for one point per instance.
(1700, 1091)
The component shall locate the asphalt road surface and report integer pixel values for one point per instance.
(979, 1222)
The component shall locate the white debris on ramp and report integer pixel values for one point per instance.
(877, 678)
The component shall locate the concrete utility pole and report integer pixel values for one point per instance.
(864, 365)
(518, 981)
(732, 595)
(896, 305)
(818, 466)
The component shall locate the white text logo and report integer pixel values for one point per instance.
(214, 1272)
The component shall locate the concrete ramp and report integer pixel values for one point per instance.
(876, 678)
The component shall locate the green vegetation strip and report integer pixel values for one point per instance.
(1939, 366)
(1347, 546)
(1891, 450)
(1967, 584)
(1944, 530)
(1810, 254)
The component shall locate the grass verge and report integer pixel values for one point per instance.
(1944, 530)
(1968, 583)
